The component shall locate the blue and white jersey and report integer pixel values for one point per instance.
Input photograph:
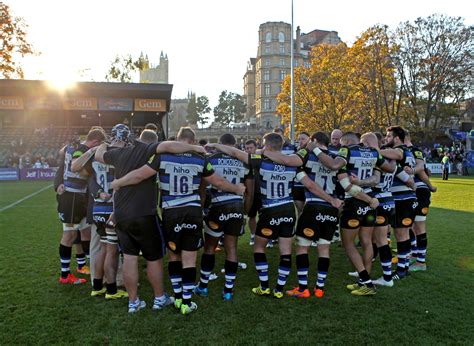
(103, 176)
(180, 177)
(275, 181)
(319, 173)
(399, 189)
(73, 181)
(360, 161)
(232, 170)
(288, 148)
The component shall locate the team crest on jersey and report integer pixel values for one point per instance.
(419, 155)
(267, 232)
(308, 232)
(209, 166)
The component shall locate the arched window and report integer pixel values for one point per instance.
(268, 37)
(281, 37)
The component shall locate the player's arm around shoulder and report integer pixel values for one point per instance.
(231, 151)
(138, 175)
(176, 147)
(293, 160)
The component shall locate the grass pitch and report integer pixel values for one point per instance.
(433, 307)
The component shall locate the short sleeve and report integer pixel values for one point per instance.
(154, 162)
(208, 168)
(111, 157)
(344, 154)
(79, 151)
(380, 160)
(418, 154)
(255, 160)
(303, 154)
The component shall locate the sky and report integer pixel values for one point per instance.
(208, 43)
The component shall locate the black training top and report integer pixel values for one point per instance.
(133, 201)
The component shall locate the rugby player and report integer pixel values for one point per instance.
(424, 187)
(358, 216)
(135, 215)
(251, 148)
(225, 218)
(180, 178)
(298, 188)
(404, 196)
(277, 216)
(72, 203)
(320, 215)
(106, 258)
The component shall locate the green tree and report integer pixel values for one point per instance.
(13, 43)
(230, 108)
(435, 66)
(198, 108)
(122, 67)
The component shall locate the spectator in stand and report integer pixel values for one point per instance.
(37, 164)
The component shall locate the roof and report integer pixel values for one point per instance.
(35, 88)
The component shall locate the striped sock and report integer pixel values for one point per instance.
(283, 271)
(207, 264)
(65, 257)
(261, 265)
(302, 267)
(403, 250)
(175, 269)
(323, 267)
(189, 278)
(230, 275)
(386, 262)
(413, 244)
(81, 260)
(422, 241)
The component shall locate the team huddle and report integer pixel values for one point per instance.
(355, 185)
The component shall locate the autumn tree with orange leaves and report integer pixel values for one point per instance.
(13, 43)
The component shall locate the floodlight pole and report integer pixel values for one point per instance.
(292, 122)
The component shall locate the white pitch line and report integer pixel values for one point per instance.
(25, 198)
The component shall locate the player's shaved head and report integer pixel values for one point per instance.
(369, 139)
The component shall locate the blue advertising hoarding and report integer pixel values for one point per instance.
(115, 104)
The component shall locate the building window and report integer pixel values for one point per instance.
(268, 37)
(267, 62)
(282, 62)
(307, 64)
(267, 50)
(267, 89)
(266, 104)
(282, 49)
(281, 37)
(266, 75)
(282, 74)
